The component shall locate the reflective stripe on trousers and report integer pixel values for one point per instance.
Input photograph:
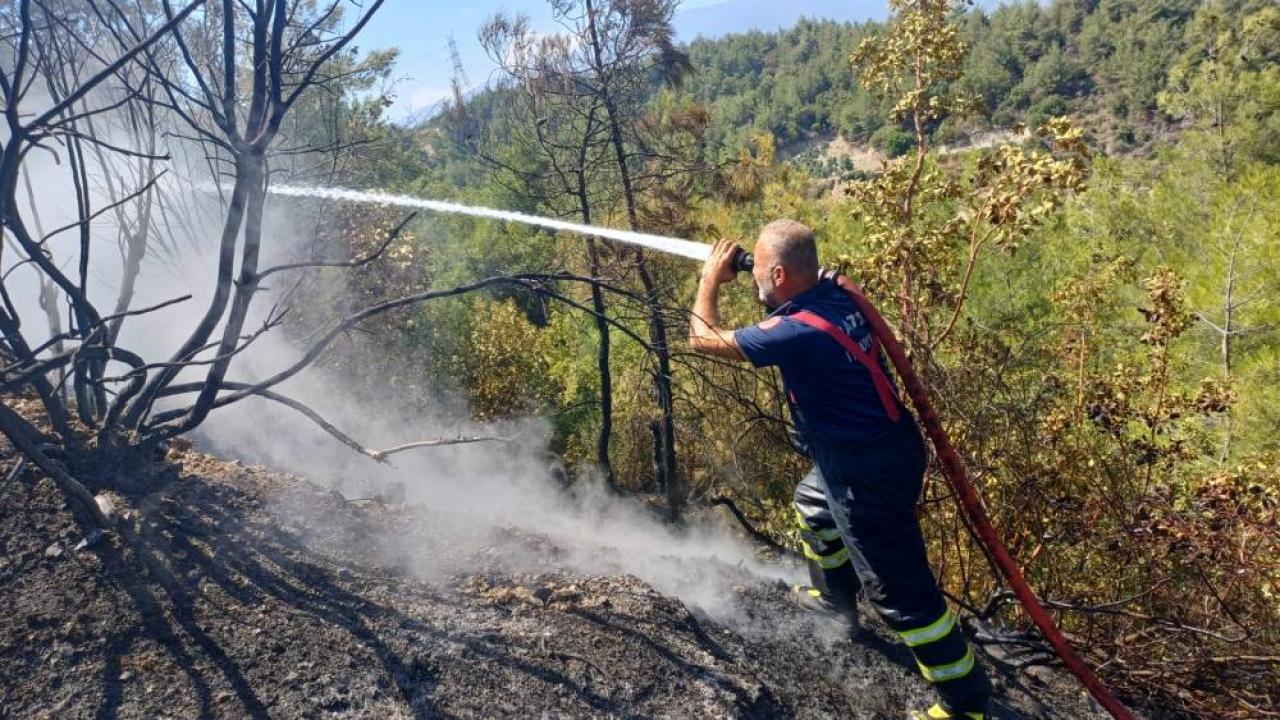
(936, 647)
(827, 557)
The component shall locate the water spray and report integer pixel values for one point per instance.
(742, 260)
(670, 245)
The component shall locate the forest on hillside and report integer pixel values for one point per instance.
(1095, 304)
(1116, 63)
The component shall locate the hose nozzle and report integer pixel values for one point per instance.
(743, 261)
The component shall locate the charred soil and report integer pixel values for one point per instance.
(218, 600)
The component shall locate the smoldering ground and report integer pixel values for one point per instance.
(504, 496)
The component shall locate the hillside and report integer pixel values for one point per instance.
(248, 593)
(730, 16)
(1108, 62)
(1115, 66)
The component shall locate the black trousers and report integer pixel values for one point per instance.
(857, 515)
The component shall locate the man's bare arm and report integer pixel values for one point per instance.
(705, 333)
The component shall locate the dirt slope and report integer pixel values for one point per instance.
(224, 605)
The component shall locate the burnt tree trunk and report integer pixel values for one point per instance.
(602, 364)
(251, 167)
(603, 349)
(137, 411)
(665, 452)
(667, 477)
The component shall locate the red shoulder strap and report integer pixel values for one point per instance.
(884, 388)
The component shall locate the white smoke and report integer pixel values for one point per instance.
(484, 495)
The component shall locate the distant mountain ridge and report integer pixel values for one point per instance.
(735, 16)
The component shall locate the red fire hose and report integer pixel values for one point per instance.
(958, 478)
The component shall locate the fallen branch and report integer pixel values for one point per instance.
(759, 537)
(1156, 620)
(1228, 659)
(460, 440)
(18, 467)
(328, 427)
(248, 389)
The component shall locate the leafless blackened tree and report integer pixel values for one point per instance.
(581, 92)
(628, 43)
(554, 144)
(76, 77)
(287, 49)
(221, 78)
(50, 105)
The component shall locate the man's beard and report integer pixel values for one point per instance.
(764, 291)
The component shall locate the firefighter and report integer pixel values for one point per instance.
(856, 508)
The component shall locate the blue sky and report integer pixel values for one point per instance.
(421, 29)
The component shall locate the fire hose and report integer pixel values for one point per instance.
(957, 476)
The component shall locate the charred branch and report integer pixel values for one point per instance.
(358, 262)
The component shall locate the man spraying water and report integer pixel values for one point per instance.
(856, 508)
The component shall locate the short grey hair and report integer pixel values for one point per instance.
(794, 244)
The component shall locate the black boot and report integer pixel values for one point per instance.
(815, 601)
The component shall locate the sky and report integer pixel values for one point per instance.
(421, 29)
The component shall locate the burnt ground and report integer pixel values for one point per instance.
(221, 603)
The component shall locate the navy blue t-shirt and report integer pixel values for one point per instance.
(832, 396)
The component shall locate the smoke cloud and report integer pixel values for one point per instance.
(498, 501)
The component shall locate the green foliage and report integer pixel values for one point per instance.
(1026, 62)
(502, 370)
(916, 216)
(1130, 47)
(789, 84)
(1089, 338)
(893, 141)
(1094, 434)
(1227, 85)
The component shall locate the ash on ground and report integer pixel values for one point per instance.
(237, 592)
